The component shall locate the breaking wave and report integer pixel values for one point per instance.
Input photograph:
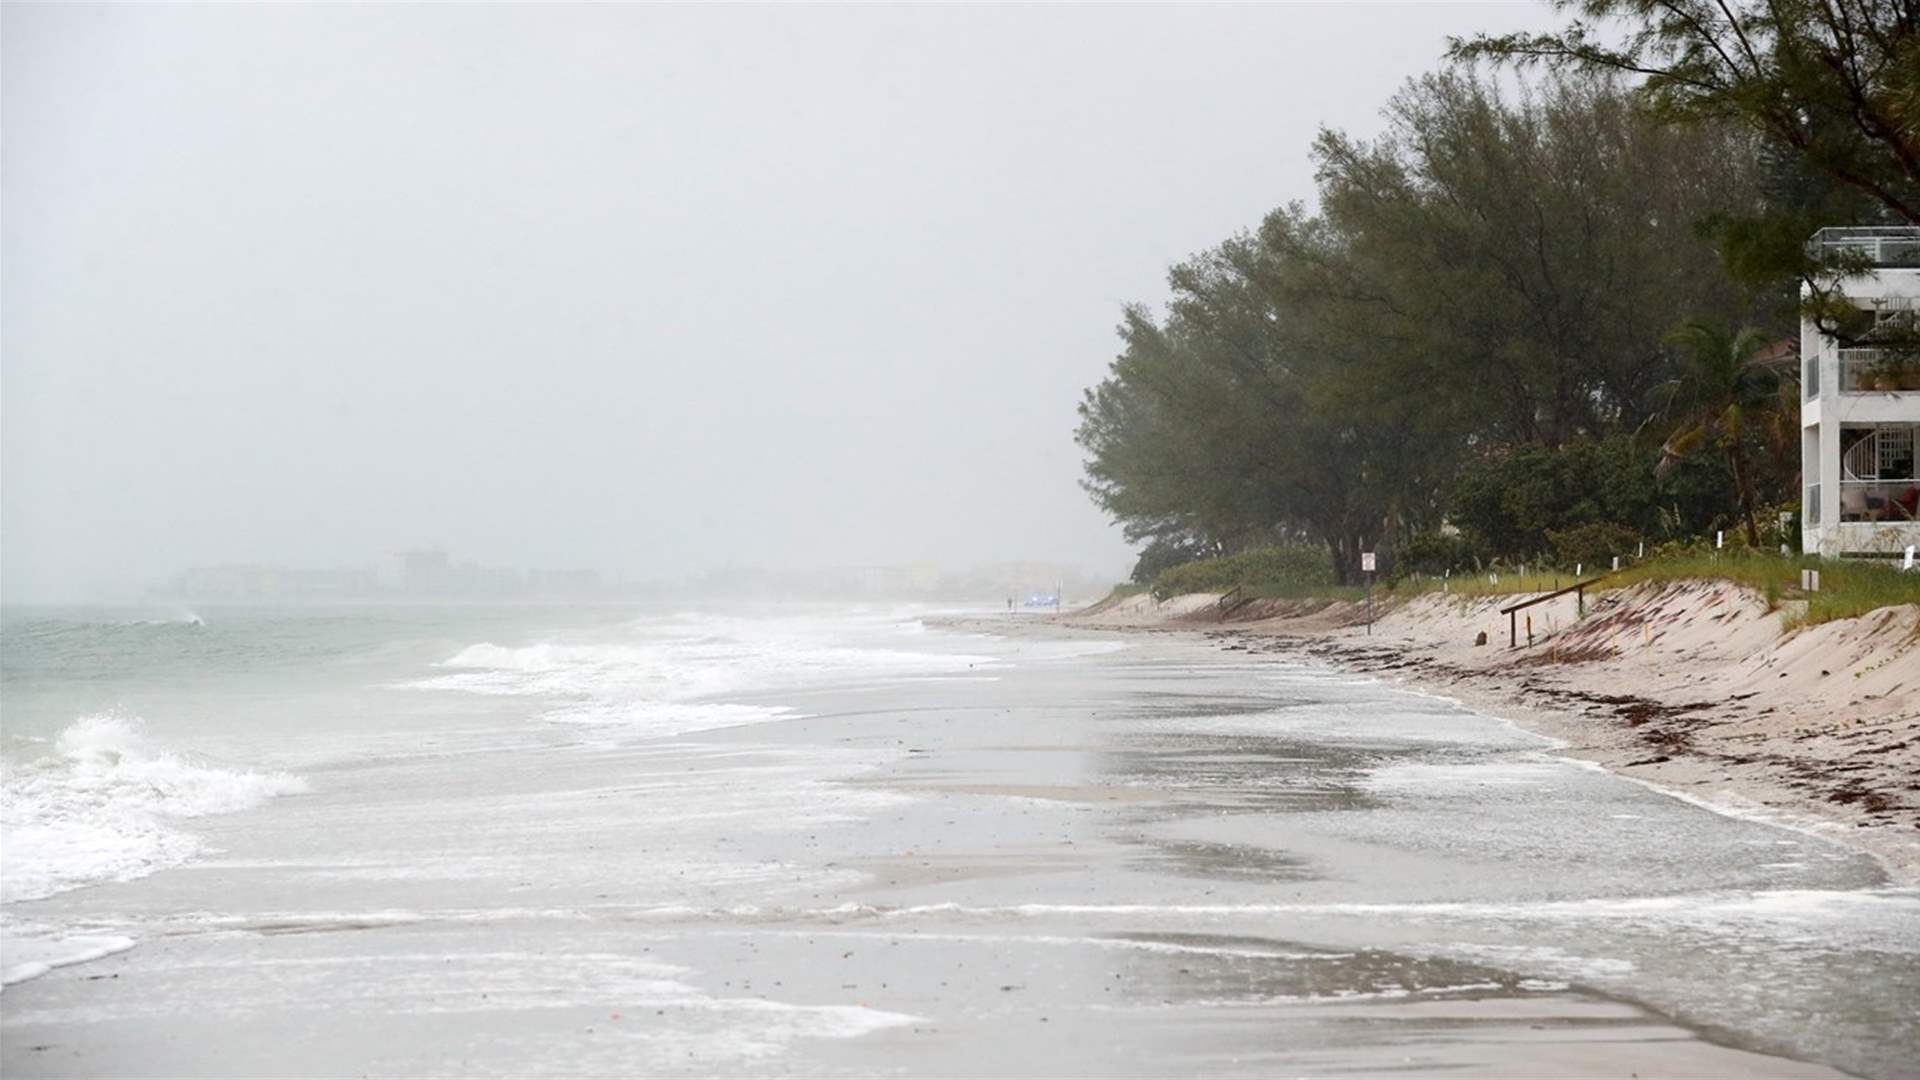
(671, 676)
(103, 806)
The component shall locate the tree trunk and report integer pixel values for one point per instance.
(1336, 550)
(1736, 462)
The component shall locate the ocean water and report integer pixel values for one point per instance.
(125, 731)
(832, 840)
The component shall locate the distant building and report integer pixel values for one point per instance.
(916, 579)
(425, 573)
(1860, 403)
(251, 582)
(564, 582)
(425, 570)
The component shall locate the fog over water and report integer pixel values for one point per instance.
(645, 289)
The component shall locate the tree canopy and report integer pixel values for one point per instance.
(1837, 81)
(1490, 274)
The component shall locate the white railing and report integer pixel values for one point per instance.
(1810, 376)
(1880, 500)
(1861, 461)
(1882, 245)
(1869, 371)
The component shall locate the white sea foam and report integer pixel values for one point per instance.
(1720, 912)
(103, 806)
(669, 676)
(34, 951)
(721, 1030)
(1544, 959)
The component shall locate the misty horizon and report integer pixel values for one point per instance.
(647, 290)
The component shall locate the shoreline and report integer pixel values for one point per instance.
(1692, 690)
(1078, 858)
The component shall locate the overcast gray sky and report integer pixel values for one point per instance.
(649, 289)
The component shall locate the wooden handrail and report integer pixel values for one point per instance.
(1579, 588)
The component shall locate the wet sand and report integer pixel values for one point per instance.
(1164, 860)
(1701, 687)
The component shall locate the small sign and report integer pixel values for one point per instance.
(1907, 563)
(1720, 539)
(1366, 561)
(1810, 580)
(1616, 562)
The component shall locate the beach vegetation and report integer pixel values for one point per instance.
(1537, 325)
(1265, 571)
(1831, 88)
(1437, 553)
(1720, 392)
(1834, 82)
(1848, 587)
(1455, 303)
(1167, 551)
(1592, 545)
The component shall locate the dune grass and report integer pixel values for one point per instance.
(1486, 584)
(1847, 587)
(1278, 590)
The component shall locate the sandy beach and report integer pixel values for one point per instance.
(1695, 688)
(996, 846)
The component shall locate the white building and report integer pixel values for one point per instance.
(1860, 405)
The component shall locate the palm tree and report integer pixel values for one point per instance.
(1722, 390)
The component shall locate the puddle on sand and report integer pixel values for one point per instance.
(1246, 970)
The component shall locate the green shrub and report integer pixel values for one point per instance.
(1592, 545)
(1436, 553)
(1512, 501)
(1282, 568)
(1166, 552)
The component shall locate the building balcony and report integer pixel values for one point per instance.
(1873, 371)
(1892, 246)
(1886, 501)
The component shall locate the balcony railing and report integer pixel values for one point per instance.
(1879, 500)
(1810, 376)
(1867, 371)
(1812, 509)
(1881, 245)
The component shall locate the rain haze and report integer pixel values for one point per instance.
(592, 540)
(652, 290)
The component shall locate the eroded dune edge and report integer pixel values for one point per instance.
(1698, 687)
